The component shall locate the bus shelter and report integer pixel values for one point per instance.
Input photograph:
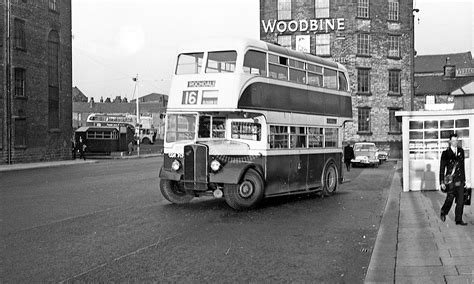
(425, 137)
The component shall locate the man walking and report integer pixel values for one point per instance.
(348, 156)
(452, 179)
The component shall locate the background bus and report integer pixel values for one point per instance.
(247, 119)
(147, 133)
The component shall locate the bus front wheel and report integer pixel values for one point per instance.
(247, 193)
(174, 192)
(329, 179)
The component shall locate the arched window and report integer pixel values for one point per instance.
(53, 79)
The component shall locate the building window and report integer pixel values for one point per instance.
(321, 8)
(19, 38)
(363, 44)
(364, 119)
(393, 7)
(284, 40)
(53, 5)
(393, 46)
(20, 132)
(394, 82)
(284, 9)
(53, 82)
(395, 125)
(323, 44)
(19, 82)
(363, 8)
(430, 100)
(363, 81)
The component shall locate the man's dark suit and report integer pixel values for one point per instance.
(456, 188)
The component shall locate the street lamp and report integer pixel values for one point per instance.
(413, 53)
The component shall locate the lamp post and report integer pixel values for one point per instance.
(8, 77)
(413, 53)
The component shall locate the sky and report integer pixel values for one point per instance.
(117, 40)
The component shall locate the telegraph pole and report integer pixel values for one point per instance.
(137, 131)
(8, 103)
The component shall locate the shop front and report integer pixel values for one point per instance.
(425, 137)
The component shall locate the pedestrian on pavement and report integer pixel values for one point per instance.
(452, 179)
(348, 156)
(82, 148)
(130, 148)
(73, 148)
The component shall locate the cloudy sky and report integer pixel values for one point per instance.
(115, 40)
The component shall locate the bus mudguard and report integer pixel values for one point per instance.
(166, 174)
(232, 173)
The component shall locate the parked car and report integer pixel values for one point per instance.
(365, 154)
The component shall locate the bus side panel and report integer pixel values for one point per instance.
(277, 171)
(298, 172)
(315, 169)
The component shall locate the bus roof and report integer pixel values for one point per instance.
(234, 43)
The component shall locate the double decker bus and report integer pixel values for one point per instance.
(248, 120)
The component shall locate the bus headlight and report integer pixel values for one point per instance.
(215, 165)
(176, 165)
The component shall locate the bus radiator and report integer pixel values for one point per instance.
(195, 167)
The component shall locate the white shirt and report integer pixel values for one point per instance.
(454, 149)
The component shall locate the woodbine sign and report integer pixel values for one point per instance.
(313, 25)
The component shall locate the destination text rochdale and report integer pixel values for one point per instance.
(194, 84)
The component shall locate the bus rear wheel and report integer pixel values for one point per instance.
(174, 192)
(329, 179)
(247, 193)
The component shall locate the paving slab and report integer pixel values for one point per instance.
(426, 271)
(418, 279)
(461, 279)
(420, 261)
(458, 260)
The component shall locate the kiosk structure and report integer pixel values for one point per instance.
(425, 137)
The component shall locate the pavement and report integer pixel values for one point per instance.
(413, 245)
(92, 159)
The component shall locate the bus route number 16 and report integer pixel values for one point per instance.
(190, 97)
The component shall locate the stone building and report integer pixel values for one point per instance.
(35, 80)
(373, 39)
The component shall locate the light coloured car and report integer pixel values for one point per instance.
(365, 154)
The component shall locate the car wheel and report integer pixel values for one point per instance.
(174, 192)
(247, 193)
(329, 179)
(146, 141)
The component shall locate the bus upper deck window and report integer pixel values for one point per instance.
(255, 62)
(342, 82)
(189, 63)
(221, 61)
(330, 80)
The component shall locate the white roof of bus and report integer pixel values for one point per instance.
(235, 43)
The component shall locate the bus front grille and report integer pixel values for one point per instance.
(195, 167)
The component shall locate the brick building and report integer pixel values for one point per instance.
(373, 39)
(444, 81)
(35, 80)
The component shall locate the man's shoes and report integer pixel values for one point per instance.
(443, 217)
(461, 223)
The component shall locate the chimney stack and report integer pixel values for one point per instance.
(449, 70)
